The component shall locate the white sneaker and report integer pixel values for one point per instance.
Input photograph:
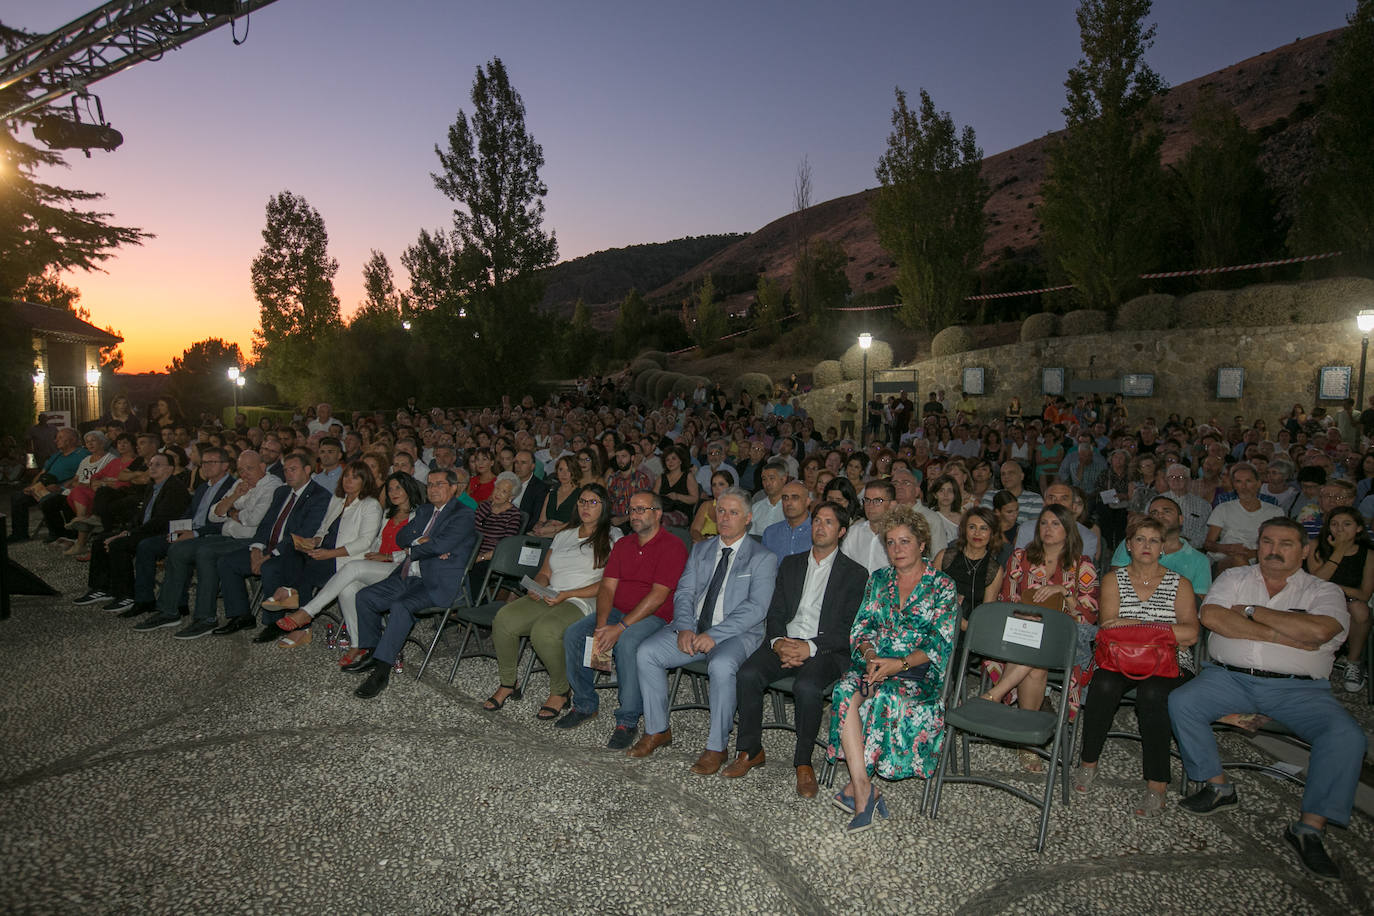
(1354, 678)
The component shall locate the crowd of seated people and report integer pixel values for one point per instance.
(708, 531)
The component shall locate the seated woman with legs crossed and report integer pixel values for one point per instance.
(572, 568)
(402, 494)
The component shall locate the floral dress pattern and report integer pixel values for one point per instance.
(903, 720)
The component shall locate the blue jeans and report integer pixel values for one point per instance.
(1306, 707)
(581, 677)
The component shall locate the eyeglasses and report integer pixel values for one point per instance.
(875, 500)
(640, 510)
(589, 503)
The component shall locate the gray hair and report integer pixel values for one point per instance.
(739, 493)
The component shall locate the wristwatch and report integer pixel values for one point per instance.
(1249, 612)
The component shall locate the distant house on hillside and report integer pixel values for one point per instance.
(66, 359)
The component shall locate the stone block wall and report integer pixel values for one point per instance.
(1281, 368)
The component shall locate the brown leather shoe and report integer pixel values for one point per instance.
(742, 765)
(708, 763)
(647, 744)
(807, 787)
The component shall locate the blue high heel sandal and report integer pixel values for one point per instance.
(864, 819)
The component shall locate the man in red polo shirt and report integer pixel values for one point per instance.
(635, 601)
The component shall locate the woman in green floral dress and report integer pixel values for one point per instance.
(884, 718)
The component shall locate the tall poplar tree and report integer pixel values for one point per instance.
(929, 212)
(1104, 181)
(482, 276)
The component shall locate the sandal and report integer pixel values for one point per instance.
(493, 704)
(289, 623)
(1151, 805)
(548, 713)
(291, 602)
(1083, 779)
(1030, 761)
(294, 640)
(351, 656)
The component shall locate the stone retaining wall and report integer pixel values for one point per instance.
(1281, 368)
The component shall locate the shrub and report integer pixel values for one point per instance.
(657, 356)
(756, 383)
(1333, 299)
(1263, 305)
(879, 357)
(1083, 321)
(663, 385)
(684, 385)
(643, 365)
(644, 383)
(1040, 326)
(1154, 312)
(1207, 308)
(827, 372)
(954, 339)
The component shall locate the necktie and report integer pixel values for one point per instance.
(281, 523)
(405, 567)
(708, 609)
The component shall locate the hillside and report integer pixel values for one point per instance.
(605, 277)
(1274, 92)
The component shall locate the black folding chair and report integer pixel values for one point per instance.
(515, 557)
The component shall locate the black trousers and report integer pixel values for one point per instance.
(112, 564)
(55, 511)
(1151, 711)
(809, 695)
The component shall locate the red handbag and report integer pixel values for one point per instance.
(1138, 650)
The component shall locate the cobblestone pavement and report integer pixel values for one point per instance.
(142, 774)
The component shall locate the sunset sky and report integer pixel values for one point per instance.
(657, 121)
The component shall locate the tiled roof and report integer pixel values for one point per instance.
(60, 323)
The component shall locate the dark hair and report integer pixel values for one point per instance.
(851, 499)
(988, 518)
(331, 440)
(363, 471)
(843, 517)
(889, 491)
(1073, 541)
(935, 486)
(600, 537)
(415, 497)
(858, 456)
(450, 475)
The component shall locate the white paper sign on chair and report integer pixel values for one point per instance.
(529, 556)
(1023, 632)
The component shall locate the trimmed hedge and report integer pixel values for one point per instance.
(657, 356)
(1155, 312)
(1040, 326)
(954, 339)
(879, 357)
(826, 373)
(1083, 321)
(756, 383)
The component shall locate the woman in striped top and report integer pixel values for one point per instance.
(1142, 591)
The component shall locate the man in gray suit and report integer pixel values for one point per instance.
(719, 610)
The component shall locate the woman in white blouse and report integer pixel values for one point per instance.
(572, 568)
(347, 533)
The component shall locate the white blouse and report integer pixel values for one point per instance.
(572, 565)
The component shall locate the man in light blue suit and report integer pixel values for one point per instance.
(719, 612)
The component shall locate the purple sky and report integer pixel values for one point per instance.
(657, 121)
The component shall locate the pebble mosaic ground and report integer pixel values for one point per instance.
(143, 774)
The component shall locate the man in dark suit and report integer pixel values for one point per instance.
(438, 542)
(718, 615)
(111, 574)
(298, 506)
(817, 595)
(218, 482)
(533, 490)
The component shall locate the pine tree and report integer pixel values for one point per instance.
(1104, 182)
(929, 212)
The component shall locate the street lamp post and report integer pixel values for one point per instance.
(235, 382)
(865, 341)
(1365, 322)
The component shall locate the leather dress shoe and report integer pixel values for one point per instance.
(363, 662)
(234, 624)
(807, 787)
(742, 765)
(708, 763)
(376, 682)
(647, 744)
(269, 633)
